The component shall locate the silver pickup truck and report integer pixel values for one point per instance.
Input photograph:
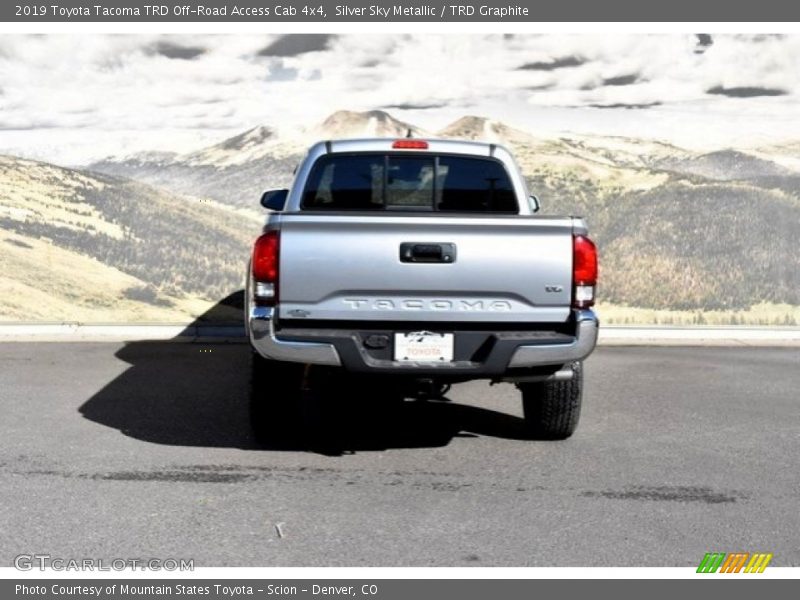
(414, 264)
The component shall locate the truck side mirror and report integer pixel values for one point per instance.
(274, 199)
(534, 203)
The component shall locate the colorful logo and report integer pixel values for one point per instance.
(734, 562)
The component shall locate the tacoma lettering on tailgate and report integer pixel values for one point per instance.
(428, 304)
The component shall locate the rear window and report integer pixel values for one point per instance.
(413, 182)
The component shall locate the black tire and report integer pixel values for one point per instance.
(275, 389)
(552, 408)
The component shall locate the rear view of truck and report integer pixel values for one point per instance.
(414, 264)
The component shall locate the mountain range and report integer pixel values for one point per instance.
(237, 169)
(677, 229)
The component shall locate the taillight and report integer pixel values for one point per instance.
(265, 268)
(584, 271)
(408, 144)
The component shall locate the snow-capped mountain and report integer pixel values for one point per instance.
(371, 123)
(644, 200)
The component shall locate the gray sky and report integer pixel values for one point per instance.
(75, 98)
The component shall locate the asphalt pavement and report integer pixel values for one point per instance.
(143, 449)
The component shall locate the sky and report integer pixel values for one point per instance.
(71, 99)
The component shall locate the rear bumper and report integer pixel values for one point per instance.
(586, 326)
(261, 329)
(491, 355)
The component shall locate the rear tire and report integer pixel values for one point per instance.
(274, 400)
(552, 408)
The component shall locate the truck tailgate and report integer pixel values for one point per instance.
(492, 269)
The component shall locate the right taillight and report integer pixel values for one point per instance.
(266, 258)
(584, 271)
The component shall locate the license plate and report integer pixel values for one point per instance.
(423, 346)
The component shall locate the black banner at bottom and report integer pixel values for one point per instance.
(393, 589)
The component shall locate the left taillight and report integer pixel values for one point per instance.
(265, 266)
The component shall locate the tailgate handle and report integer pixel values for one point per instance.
(427, 252)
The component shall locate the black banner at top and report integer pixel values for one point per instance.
(338, 11)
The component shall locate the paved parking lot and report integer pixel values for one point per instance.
(143, 449)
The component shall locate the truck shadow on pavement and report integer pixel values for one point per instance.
(196, 394)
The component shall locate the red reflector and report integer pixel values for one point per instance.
(411, 144)
(265, 258)
(584, 261)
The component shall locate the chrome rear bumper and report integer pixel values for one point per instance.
(261, 330)
(560, 354)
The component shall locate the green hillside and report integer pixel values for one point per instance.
(177, 256)
(679, 231)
